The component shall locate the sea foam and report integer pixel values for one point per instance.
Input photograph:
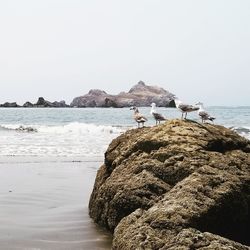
(72, 139)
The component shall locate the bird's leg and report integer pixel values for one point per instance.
(182, 116)
(185, 115)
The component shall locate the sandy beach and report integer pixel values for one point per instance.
(44, 205)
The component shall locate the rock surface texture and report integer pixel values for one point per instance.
(180, 185)
(139, 95)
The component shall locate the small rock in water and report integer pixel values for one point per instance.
(26, 129)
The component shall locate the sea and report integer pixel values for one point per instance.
(86, 132)
(49, 158)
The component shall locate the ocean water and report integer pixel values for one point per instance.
(86, 132)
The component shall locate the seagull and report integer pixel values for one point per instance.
(184, 108)
(158, 117)
(203, 114)
(139, 118)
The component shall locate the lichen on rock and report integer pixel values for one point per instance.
(180, 185)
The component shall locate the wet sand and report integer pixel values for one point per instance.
(44, 205)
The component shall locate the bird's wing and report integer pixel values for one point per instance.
(158, 116)
(206, 116)
(140, 118)
(187, 107)
(203, 114)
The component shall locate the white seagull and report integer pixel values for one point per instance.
(139, 118)
(184, 108)
(158, 117)
(203, 114)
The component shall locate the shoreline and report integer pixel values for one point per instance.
(50, 159)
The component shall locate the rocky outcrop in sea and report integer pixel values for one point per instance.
(139, 95)
(180, 185)
(9, 105)
(41, 103)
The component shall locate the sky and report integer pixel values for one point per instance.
(59, 49)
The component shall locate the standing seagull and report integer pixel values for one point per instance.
(139, 118)
(203, 114)
(158, 117)
(184, 108)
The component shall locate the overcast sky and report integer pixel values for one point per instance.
(59, 49)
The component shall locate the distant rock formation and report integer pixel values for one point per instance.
(139, 95)
(42, 103)
(95, 98)
(9, 105)
(28, 105)
(61, 104)
(180, 185)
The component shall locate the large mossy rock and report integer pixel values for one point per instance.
(180, 185)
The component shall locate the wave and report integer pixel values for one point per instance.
(21, 128)
(243, 131)
(74, 127)
(73, 139)
(64, 140)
